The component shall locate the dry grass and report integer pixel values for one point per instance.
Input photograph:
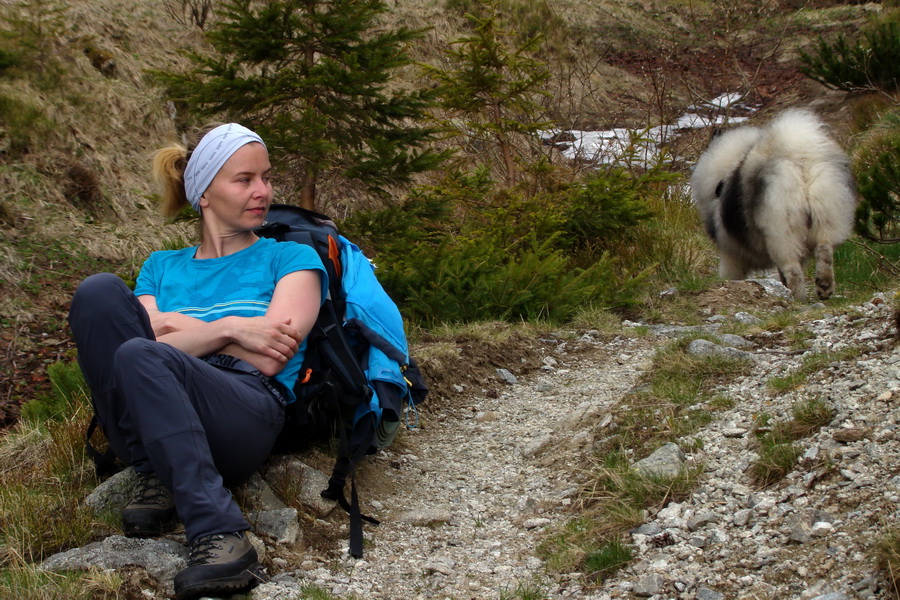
(887, 556)
(617, 500)
(44, 475)
(777, 451)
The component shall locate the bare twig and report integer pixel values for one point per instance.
(891, 267)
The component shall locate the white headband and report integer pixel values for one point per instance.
(214, 149)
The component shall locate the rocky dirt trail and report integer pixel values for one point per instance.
(474, 488)
(466, 498)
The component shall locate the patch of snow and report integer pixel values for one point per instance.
(624, 146)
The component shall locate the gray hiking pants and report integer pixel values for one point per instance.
(197, 426)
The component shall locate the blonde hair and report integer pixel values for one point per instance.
(168, 172)
(168, 168)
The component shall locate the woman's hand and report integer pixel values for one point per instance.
(293, 310)
(268, 337)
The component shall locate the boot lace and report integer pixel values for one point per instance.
(203, 550)
(150, 490)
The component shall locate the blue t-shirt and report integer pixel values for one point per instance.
(240, 284)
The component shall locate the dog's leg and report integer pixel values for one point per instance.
(794, 280)
(789, 261)
(824, 271)
(732, 267)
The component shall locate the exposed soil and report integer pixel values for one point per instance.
(722, 299)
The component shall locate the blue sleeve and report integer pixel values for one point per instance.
(294, 256)
(147, 280)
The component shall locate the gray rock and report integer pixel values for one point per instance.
(257, 493)
(112, 495)
(741, 517)
(583, 413)
(537, 446)
(162, 558)
(667, 461)
(735, 341)
(701, 519)
(675, 331)
(800, 533)
(281, 525)
(647, 529)
(773, 287)
(706, 348)
(426, 518)
(832, 596)
(705, 593)
(279, 588)
(310, 483)
(507, 377)
(536, 522)
(649, 585)
(734, 432)
(747, 318)
(698, 541)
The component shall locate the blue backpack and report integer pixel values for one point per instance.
(357, 382)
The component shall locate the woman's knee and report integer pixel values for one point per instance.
(140, 355)
(97, 292)
(138, 350)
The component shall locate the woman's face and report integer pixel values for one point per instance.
(240, 194)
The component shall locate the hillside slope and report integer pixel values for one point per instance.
(82, 117)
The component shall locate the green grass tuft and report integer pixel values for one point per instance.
(531, 590)
(610, 557)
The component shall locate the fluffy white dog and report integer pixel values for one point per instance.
(773, 196)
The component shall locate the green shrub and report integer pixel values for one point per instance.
(861, 268)
(528, 590)
(527, 18)
(27, 42)
(876, 215)
(615, 503)
(877, 170)
(468, 280)
(605, 205)
(25, 581)
(809, 417)
(872, 63)
(464, 251)
(70, 391)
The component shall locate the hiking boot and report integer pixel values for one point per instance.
(151, 511)
(222, 563)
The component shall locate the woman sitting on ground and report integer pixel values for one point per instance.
(190, 373)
